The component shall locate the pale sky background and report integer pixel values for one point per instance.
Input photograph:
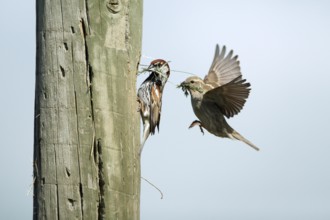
(283, 47)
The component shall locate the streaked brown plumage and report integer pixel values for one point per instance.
(223, 92)
(150, 97)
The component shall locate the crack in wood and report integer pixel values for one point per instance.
(78, 152)
(101, 206)
(66, 46)
(62, 71)
(68, 172)
(57, 202)
(87, 14)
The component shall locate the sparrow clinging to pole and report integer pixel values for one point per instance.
(149, 97)
(222, 93)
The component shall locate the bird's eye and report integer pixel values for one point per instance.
(192, 81)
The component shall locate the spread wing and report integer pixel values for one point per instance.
(231, 97)
(224, 68)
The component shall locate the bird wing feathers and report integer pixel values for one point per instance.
(155, 108)
(224, 68)
(231, 97)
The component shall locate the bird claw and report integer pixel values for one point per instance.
(196, 122)
(139, 105)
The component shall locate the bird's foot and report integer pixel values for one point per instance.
(139, 106)
(196, 122)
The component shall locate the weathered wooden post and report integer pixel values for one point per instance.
(86, 125)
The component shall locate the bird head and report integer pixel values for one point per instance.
(160, 67)
(194, 85)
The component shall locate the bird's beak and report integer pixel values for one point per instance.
(184, 86)
(157, 69)
(151, 68)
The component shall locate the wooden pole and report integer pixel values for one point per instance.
(87, 129)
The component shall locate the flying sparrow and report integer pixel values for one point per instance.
(149, 97)
(223, 92)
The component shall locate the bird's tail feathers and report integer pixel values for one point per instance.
(146, 133)
(239, 137)
(141, 147)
